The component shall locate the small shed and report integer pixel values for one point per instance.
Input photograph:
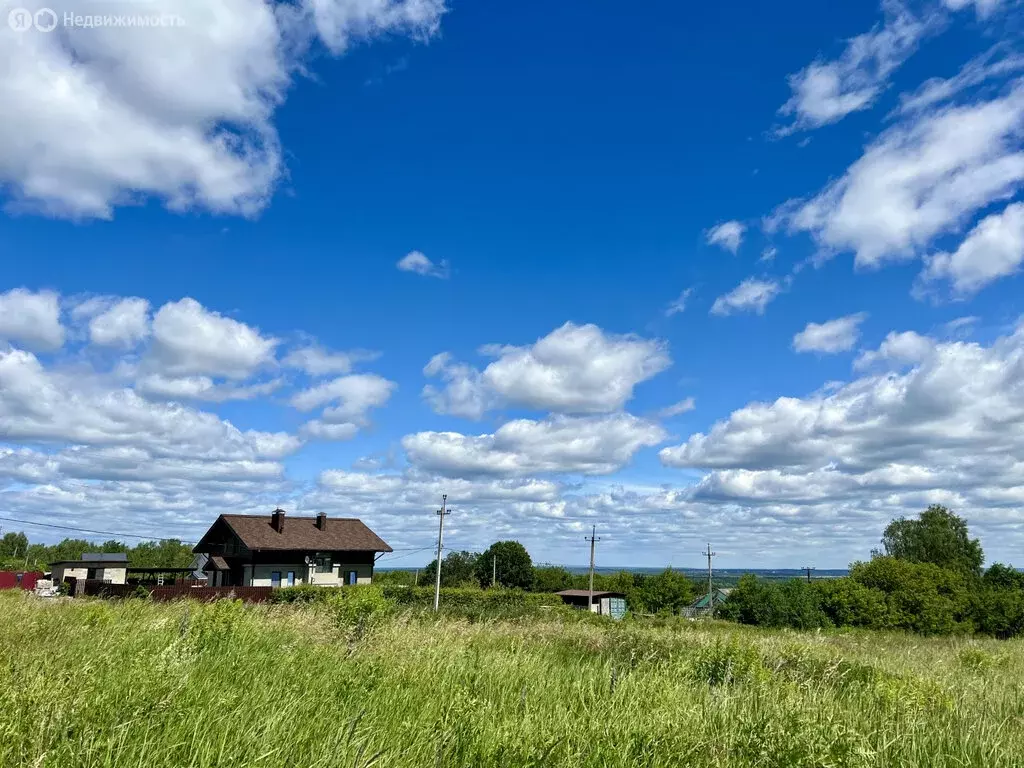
(605, 603)
(699, 607)
(111, 567)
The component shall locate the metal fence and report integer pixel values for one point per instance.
(19, 579)
(96, 588)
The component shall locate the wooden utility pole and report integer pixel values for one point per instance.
(593, 539)
(711, 593)
(809, 568)
(441, 514)
(494, 571)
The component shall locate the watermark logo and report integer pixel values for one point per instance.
(47, 20)
(22, 20)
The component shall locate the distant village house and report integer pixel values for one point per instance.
(109, 567)
(279, 551)
(604, 603)
(699, 608)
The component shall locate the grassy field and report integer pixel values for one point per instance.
(89, 683)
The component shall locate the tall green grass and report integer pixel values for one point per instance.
(131, 683)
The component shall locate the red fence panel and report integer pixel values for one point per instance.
(14, 579)
(28, 580)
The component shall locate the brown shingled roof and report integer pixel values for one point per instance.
(341, 534)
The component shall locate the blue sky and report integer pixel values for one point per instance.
(349, 255)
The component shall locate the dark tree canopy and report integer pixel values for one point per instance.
(13, 545)
(458, 569)
(1001, 576)
(551, 578)
(666, 592)
(938, 537)
(513, 563)
(168, 553)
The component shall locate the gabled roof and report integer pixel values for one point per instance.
(302, 534)
(702, 601)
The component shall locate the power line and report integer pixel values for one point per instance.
(711, 594)
(441, 514)
(74, 529)
(88, 530)
(410, 554)
(593, 539)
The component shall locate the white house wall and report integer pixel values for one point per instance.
(261, 575)
(113, 575)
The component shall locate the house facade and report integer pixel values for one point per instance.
(111, 567)
(279, 551)
(604, 603)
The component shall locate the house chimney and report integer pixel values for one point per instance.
(321, 521)
(277, 520)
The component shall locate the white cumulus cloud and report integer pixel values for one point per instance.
(124, 324)
(100, 117)
(993, 249)
(558, 444)
(923, 178)
(752, 295)
(833, 336)
(417, 262)
(827, 91)
(354, 396)
(189, 339)
(728, 235)
(31, 319)
(574, 369)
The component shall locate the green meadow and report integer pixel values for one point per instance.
(363, 682)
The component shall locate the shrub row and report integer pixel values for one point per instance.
(885, 593)
(469, 598)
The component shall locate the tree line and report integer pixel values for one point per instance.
(17, 553)
(928, 577)
(667, 592)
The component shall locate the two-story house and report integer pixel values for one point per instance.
(272, 551)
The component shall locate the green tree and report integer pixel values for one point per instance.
(754, 601)
(397, 577)
(13, 545)
(999, 612)
(938, 537)
(458, 569)
(167, 553)
(68, 549)
(551, 578)
(848, 603)
(999, 576)
(921, 597)
(513, 563)
(666, 592)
